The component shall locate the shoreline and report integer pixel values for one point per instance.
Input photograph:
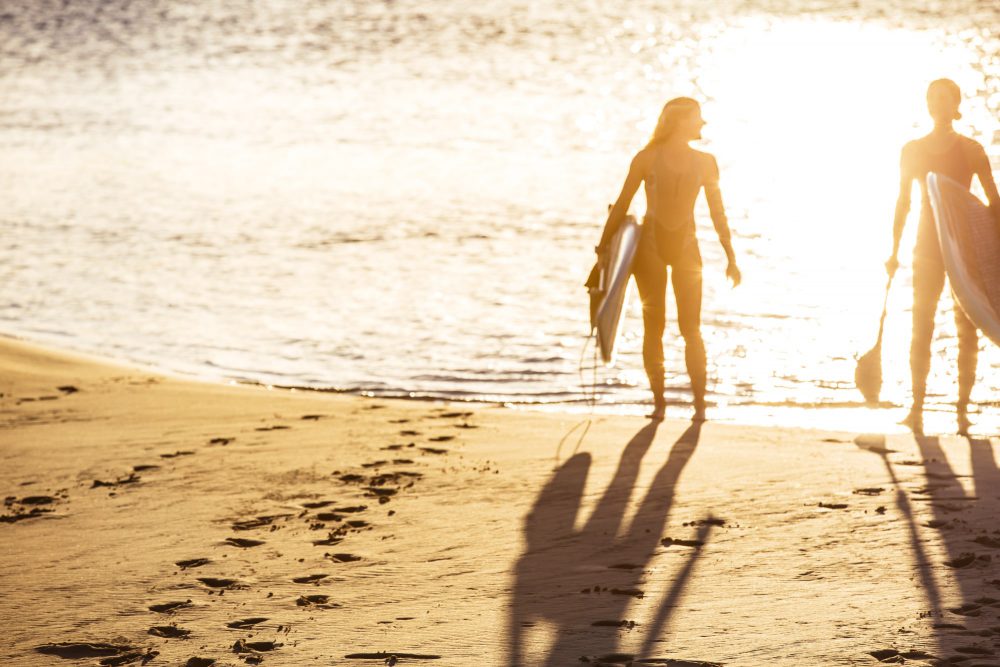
(885, 418)
(148, 514)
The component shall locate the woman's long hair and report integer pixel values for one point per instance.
(673, 112)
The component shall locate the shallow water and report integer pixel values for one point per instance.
(400, 198)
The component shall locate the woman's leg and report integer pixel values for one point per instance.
(928, 281)
(687, 291)
(968, 352)
(651, 278)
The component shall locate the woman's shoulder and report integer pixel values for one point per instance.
(644, 157)
(971, 146)
(914, 146)
(709, 165)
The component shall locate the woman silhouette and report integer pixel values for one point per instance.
(946, 152)
(674, 174)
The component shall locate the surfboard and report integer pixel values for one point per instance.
(970, 248)
(616, 268)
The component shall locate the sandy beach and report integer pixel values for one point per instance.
(150, 519)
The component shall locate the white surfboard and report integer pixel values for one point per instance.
(970, 247)
(614, 283)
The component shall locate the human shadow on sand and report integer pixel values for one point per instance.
(965, 631)
(967, 524)
(581, 583)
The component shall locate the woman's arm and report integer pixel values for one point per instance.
(636, 172)
(985, 173)
(906, 176)
(713, 193)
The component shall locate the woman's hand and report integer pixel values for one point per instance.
(733, 273)
(891, 265)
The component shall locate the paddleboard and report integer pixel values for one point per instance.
(970, 248)
(615, 272)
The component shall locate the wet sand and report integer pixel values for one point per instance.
(157, 520)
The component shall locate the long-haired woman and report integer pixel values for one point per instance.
(674, 174)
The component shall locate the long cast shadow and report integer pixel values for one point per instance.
(583, 581)
(967, 528)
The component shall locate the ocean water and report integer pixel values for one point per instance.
(400, 198)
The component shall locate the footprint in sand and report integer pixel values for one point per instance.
(145, 468)
(629, 659)
(310, 578)
(121, 481)
(242, 646)
(971, 610)
(37, 500)
(989, 602)
(192, 562)
(29, 507)
(386, 656)
(214, 582)
(243, 543)
(624, 624)
(329, 516)
(169, 632)
(245, 623)
(258, 522)
(220, 441)
(332, 539)
(710, 521)
(79, 650)
(633, 592)
(352, 478)
(179, 452)
(987, 541)
(316, 601)
(669, 541)
(963, 560)
(130, 658)
(199, 662)
(343, 558)
(318, 504)
(169, 607)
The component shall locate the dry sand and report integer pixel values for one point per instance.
(311, 529)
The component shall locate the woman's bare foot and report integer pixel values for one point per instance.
(659, 412)
(914, 421)
(699, 412)
(963, 422)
